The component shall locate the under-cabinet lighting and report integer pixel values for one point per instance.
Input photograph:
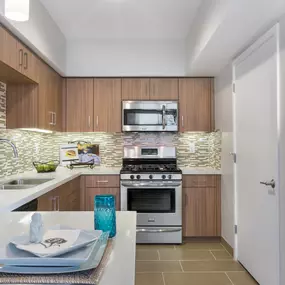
(17, 10)
(37, 130)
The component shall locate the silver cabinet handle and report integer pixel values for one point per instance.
(89, 121)
(51, 118)
(182, 121)
(26, 60)
(163, 117)
(53, 204)
(54, 121)
(21, 52)
(97, 121)
(58, 203)
(102, 181)
(270, 183)
(169, 230)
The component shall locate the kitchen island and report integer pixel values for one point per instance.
(120, 269)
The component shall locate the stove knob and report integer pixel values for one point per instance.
(169, 176)
(163, 176)
(132, 177)
(138, 177)
(151, 176)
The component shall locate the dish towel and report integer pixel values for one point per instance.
(88, 277)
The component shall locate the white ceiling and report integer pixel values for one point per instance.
(123, 19)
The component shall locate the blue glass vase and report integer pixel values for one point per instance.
(105, 214)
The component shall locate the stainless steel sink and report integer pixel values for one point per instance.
(35, 182)
(21, 184)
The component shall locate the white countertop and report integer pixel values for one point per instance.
(12, 199)
(120, 269)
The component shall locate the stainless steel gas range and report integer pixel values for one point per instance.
(151, 185)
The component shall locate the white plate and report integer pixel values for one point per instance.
(10, 255)
(96, 254)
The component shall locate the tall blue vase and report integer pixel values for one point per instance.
(105, 214)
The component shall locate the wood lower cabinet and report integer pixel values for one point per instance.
(196, 104)
(164, 89)
(79, 105)
(64, 198)
(202, 207)
(107, 105)
(135, 89)
(100, 185)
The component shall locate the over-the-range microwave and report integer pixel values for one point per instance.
(150, 116)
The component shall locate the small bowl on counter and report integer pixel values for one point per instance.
(44, 167)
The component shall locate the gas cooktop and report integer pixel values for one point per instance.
(147, 168)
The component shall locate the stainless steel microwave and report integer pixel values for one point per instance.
(150, 116)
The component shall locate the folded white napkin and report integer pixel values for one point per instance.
(53, 241)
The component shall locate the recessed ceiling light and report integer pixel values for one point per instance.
(17, 10)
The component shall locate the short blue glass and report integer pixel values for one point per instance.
(105, 214)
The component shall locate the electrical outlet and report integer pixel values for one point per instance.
(192, 148)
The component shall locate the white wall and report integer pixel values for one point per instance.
(282, 149)
(224, 122)
(125, 58)
(40, 33)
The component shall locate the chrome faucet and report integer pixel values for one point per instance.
(12, 145)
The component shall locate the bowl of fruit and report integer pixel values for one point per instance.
(43, 167)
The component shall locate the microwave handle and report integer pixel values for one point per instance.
(163, 117)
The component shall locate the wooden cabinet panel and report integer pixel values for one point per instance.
(102, 181)
(199, 181)
(164, 89)
(69, 196)
(135, 88)
(201, 216)
(107, 105)
(90, 193)
(195, 104)
(79, 101)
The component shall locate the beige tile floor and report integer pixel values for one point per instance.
(188, 264)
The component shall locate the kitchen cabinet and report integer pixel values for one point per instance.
(79, 105)
(164, 89)
(195, 104)
(101, 185)
(107, 105)
(201, 206)
(135, 89)
(64, 198)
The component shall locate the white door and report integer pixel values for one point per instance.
(256, 146)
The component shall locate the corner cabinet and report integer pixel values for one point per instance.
(201, 206)
(196, 104)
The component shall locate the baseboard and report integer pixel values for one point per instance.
(201, 239)
(227, 246)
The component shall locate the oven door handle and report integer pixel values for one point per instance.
(151, 184)
(168, 230)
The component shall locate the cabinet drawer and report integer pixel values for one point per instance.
(102, 181)
(199, 181)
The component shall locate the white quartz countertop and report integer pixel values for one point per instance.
(120, 269)
(12, 199)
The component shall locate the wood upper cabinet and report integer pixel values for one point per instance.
(202, 208)
(107, 105)
(195, 104)
(135, 89)
(164, 89)
(79, 105)
(90, 194)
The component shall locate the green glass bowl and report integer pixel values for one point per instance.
(43, 167)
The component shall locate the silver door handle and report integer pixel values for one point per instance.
(270, 183)
(21, 57)
(89, 121)
(97, 121)
(25, 61)
(54, 122)
(163, 117)
(102, 181)
(169, 230)
(182, 121)
(53, 204)
(51, 118)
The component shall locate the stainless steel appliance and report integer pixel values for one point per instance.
(150, 116)
(151, 184)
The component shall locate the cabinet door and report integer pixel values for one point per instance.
(8, 49)
(164, 89)
(90, 193)
(195, 104)
(201, 213)
(79, 110)
(107, 105)
(69, 196)
(47, 202)
(135, 89)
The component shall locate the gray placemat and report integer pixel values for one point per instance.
(90, 277)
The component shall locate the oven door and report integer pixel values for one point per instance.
(150, 116)
(155, 205)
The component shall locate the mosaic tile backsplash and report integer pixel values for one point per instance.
(37, 146)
